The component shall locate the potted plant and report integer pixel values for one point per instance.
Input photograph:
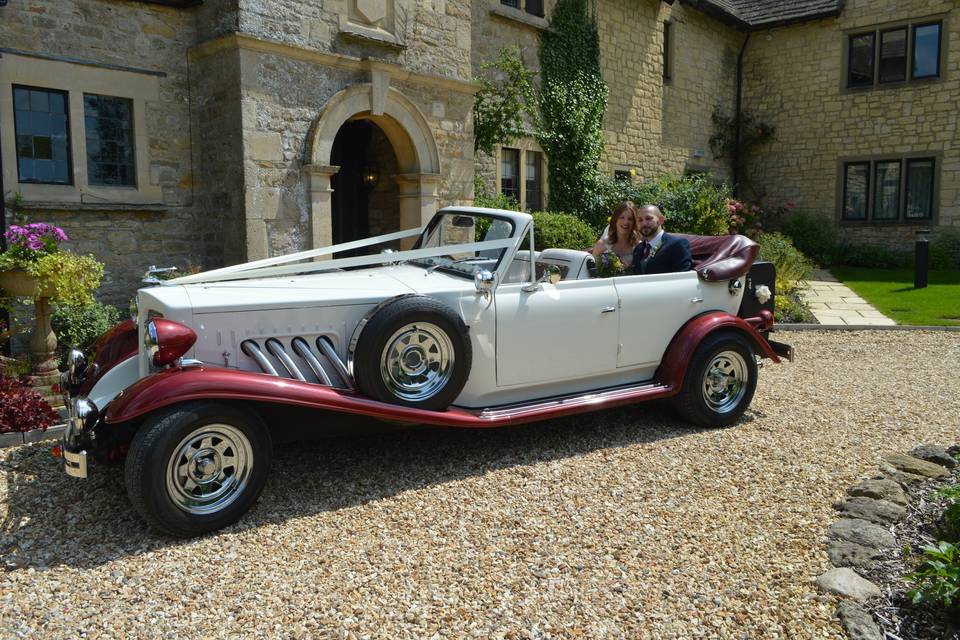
(34, 266)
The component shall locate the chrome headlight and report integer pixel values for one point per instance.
(83, 417)
(76, 365)
(151, 343)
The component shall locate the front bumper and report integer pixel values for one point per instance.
(82, 416)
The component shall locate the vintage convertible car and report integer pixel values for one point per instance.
(470, 327)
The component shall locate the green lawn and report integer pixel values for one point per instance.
(891, 291)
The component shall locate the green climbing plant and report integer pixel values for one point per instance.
(505, 103)
(572, 102)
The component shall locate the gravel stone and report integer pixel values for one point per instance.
(846, 582)
(916, 466)
(850, 554)
(858, 622)
(861, 532)
(933, 453)
(885, 489)
(879, 511)
(623, 523)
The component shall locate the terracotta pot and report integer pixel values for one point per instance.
(19, 283)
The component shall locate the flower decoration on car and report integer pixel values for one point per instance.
(762, 293)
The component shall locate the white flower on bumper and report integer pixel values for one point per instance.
(763, 293)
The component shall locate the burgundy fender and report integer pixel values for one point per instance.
(205, 382)
(673, 366)
(117, 344)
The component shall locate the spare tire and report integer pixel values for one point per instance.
(415, 351)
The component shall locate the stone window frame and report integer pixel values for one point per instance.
(76, 79)
(910, 25)
(519, 14)
(523, 146)
(904, 159)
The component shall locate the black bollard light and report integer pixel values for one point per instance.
(921, 261)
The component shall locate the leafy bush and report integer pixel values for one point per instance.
(937, 579)
(793, 268)
(949, 526)
(22, 408)
(690, 204)
(484, 197)
(945, 249)
(79, 326)
(813, 235)
(561, 231)
(857, 255)
(505, 98)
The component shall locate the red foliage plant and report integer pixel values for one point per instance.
(22, 408)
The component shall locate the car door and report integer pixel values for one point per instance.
(558, 332)
(652, 309)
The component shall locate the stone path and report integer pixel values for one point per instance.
(833, 303)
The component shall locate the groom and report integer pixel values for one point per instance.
(659, 252)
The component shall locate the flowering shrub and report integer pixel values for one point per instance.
(751, 219)
(21, 408)
(31, 241)
(65, 276)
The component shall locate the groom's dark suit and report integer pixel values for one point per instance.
(672, 256)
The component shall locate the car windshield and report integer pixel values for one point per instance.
(452, 229)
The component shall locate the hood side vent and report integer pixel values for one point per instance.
(323, 365)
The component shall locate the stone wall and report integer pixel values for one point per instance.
(650, 126)
(795, 78)
(159, 223)
(283, 96)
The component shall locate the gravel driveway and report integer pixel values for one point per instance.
(620, 523)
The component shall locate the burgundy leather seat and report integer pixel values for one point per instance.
(718, 258)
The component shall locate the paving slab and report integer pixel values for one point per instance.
(834, 303)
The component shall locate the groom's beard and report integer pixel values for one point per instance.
(648, 233)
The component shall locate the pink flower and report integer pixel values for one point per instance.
(790, 204)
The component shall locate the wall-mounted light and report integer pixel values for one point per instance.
(370, 176)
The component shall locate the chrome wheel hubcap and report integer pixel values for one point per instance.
(417, 361)
(725, 381)
(209, 469)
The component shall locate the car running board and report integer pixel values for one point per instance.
(574, 403)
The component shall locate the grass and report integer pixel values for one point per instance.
(891, 292)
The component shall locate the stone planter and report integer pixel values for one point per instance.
(43, 341)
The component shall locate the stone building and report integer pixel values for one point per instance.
(210, 132)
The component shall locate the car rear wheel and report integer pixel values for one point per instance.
(197, 467)
(720, 381)
(414, 352)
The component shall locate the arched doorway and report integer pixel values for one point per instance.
(404, 130)
(364, 201)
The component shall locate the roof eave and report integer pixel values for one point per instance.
(760, 26)
(717, 13)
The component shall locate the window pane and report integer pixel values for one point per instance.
(861, 60)
(920, 188)
(893, 55)
(534, 7)
(110, 157)
(532, 178)
(856, 182)
(511, 3)
(510, 173)
(886, 199)
(42, 134)
(926, 51)
(666, 50)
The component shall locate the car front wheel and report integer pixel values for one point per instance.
(720, 381)
(197, 467)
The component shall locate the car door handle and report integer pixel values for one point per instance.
(696, 300)
(608, 310)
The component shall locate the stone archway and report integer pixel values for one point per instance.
(418, 161)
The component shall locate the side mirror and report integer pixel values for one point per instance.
(551, 274)
(484, 281)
